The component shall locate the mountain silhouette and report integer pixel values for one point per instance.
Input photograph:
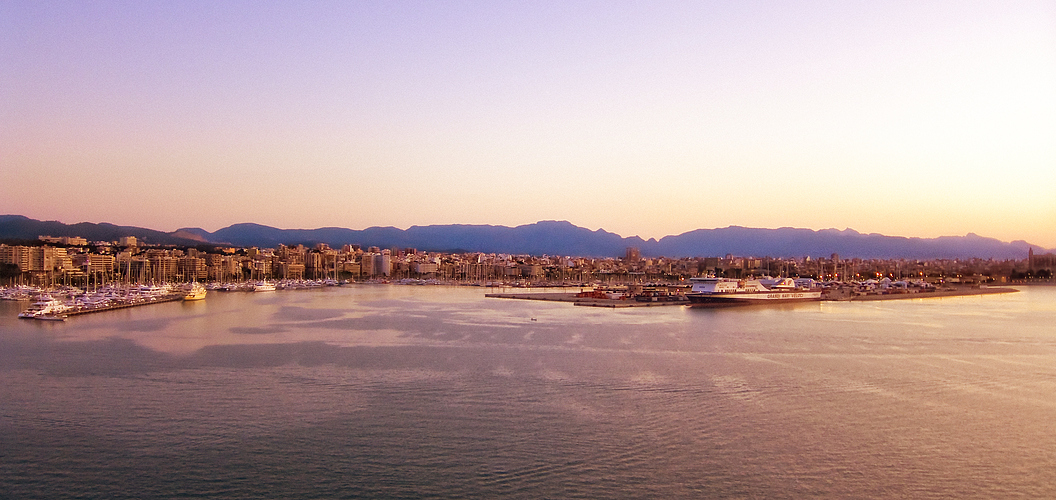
(554, 238)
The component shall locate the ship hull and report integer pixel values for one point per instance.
(747, 299)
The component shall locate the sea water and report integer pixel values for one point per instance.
(385, 391)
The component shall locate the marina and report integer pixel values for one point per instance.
(61, 303)
(73, 303)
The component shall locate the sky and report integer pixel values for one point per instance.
(918, 119)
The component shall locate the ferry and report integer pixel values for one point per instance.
(719, 292)
(264, 286)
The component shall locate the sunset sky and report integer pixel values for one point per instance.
(643, 118)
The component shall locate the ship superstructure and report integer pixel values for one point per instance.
(716, 292)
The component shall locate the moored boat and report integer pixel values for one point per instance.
(45, 306)
(719, 292)
(51, 317)
(195, 292)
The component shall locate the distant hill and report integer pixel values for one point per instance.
(564, 238)
(192, 233)
(790, 242)
(21, 227)
(555, 238)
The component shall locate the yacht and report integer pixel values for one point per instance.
(43, 307)
(195, 292)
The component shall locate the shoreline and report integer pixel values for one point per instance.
(847, 295)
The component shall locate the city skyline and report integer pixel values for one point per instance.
(904, 119)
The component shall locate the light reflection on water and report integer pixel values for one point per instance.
(395, 391)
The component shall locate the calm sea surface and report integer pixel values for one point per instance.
(380, 391)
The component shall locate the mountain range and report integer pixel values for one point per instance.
(552, 238)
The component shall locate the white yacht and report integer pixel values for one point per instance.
(195, 292)
(45, 306)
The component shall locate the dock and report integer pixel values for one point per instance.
(839, 295)
(110, 307)
(842, 295)
(585, 301)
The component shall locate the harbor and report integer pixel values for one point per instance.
(61, 303)
(620, 297)
(58, 305)
(109, 307)
(464, 378)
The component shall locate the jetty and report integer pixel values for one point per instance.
(844, 294)
(115, 306)
(599, 299)
(578, 300)
(48, 308)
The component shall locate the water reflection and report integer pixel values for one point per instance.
(417, 391)
(278, 328)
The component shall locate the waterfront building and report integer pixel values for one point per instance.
(193, 268)
(163, 267)
(1043, 262)
(366, 263)
(64, 240)
(531, 271)
(292, 271)
(17, 255)
(425, 267)
(55, 259)
(383, 264)
(353, 268)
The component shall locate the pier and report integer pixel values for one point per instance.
(111, 306)
(586, 301)
(833, 295)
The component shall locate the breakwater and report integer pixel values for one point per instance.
(836, 294)
(48, 309)
(575, 299)
(115, 306)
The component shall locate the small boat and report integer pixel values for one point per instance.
(264, 286)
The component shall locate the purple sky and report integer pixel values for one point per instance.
(643, 118)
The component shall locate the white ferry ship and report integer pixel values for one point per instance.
(718, 292)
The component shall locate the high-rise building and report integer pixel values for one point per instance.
(383, 264)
